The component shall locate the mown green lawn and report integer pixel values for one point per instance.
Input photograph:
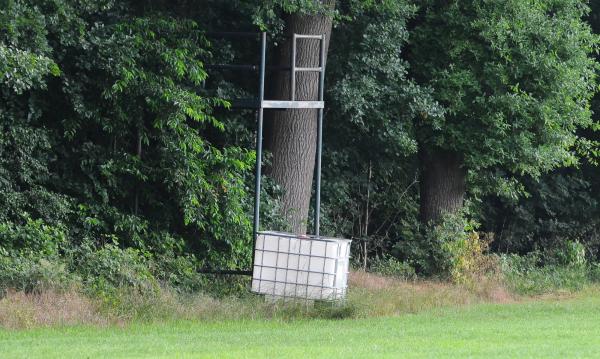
(543, 329)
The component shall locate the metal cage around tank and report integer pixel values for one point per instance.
(300, 267)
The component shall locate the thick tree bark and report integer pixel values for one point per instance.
(443, 184)
(292, 134)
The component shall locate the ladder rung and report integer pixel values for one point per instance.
(317, 37)
(308, 69)
(292, 104)
(275, 104)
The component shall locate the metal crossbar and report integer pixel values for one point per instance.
(260, 104)
(275, 104)
(293, 104)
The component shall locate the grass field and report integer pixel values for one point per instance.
(542, 328)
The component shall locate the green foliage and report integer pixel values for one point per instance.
(563, 268)
(439, 248)
(370, 185)
(121, 165)
(571, 254)
(392, 267)
(371, 86)
(32, 239)
(451, 241)
(110, 267)
(33, 274)
(268, 15)
(562, 206)
(24, 50)
(594, 273)
(30, 257)
(470, 261)
(451, 249)
(105, 129)
(526, 275)
(514, 77)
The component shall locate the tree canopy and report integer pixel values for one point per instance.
(114, 131)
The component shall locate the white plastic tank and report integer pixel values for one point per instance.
(304, 267)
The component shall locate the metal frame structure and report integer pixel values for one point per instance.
(260, 104)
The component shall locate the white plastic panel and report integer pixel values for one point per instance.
(300, 267)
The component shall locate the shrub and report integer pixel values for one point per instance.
(426, 248)
(469, 259)
(178, 271)
(594, 272)
(30, 257)
(105, 269)
(392, 267)
(527, 274)
(452, 248)
(449, 237)
(30, 274)
(34, 238)
(569, 253)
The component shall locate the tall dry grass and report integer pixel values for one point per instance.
(375, 295)
(369, 295)
(50, 308)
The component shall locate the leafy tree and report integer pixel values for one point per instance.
(515, 79)
(102, 102)
(25, 65)
(370, 183)
(560, 206)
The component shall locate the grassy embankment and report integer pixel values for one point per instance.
(559, 327)
(383, 317)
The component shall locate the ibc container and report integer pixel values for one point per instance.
(304, 267)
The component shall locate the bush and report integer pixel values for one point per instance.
(34, 238)
(425, 248)
(449, 238)
(178, 271)
(30, 274)
(569, 254)
(30, 257)
(452, 248)
(528, 275)
(470, 261)
(392, 267)
(105, 269)
(35, 257)
(594, 272)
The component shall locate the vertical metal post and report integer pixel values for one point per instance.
(259, 136)
(293, 70)
(320, 136)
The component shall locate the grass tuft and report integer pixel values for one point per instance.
(375, 295)
(19, 310)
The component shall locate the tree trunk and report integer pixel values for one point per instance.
(443, 184)
(291, 135)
